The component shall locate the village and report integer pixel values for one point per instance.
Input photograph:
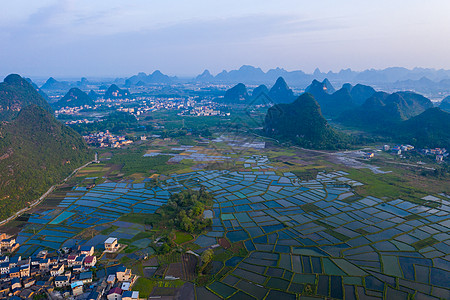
(69, 273)
(190, 106)
(106, 140)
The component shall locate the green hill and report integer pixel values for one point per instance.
(36, 151)
(429, 129)
(74, 98)
(383, 110)
(445, 104)
(360, 93)
(93, 95)
(332, 103)
(17, 93)
(41, 92)
(236, 94)
(280, 92)
(303, 123)
(317, 88)
(260, 95)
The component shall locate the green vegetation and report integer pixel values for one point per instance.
(205, 258)
(37, 153)
(116, 122)
(382, 110)
(133, 161)
(302, 123)
(17, 93)
(394, 185)
(184, 210)
(109, 230)
(429, 129)
(145, 286)
(182, 237)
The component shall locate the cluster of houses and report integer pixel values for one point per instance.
(8, 244)
(147, 104)
(439, 153)
(106, 140)
(204, 110)
(398, 149)
(81, 121)
(72, 110)
(70, 272)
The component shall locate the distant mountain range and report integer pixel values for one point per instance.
(36, 150)
(155, 78)
(427, 81)
(401, 77)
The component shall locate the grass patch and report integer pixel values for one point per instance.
(145, 286)
(141, 235)
(191, 246)
(307, 174)
(182, 237)
(398, 184)
(222, 255)
(109, 230)
(126, 261)
(135, 163)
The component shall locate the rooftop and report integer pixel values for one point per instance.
(110, 240)
(76, 284)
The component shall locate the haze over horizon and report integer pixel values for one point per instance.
(119, 38)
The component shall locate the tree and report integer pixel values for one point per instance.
(206, 258)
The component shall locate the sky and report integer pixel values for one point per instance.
(74, 38)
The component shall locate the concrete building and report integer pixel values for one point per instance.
(111, 244)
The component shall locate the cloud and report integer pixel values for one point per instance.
(45, 16)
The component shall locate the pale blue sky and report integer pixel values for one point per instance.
(123, 37)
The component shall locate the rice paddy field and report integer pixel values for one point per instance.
(299, 239)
